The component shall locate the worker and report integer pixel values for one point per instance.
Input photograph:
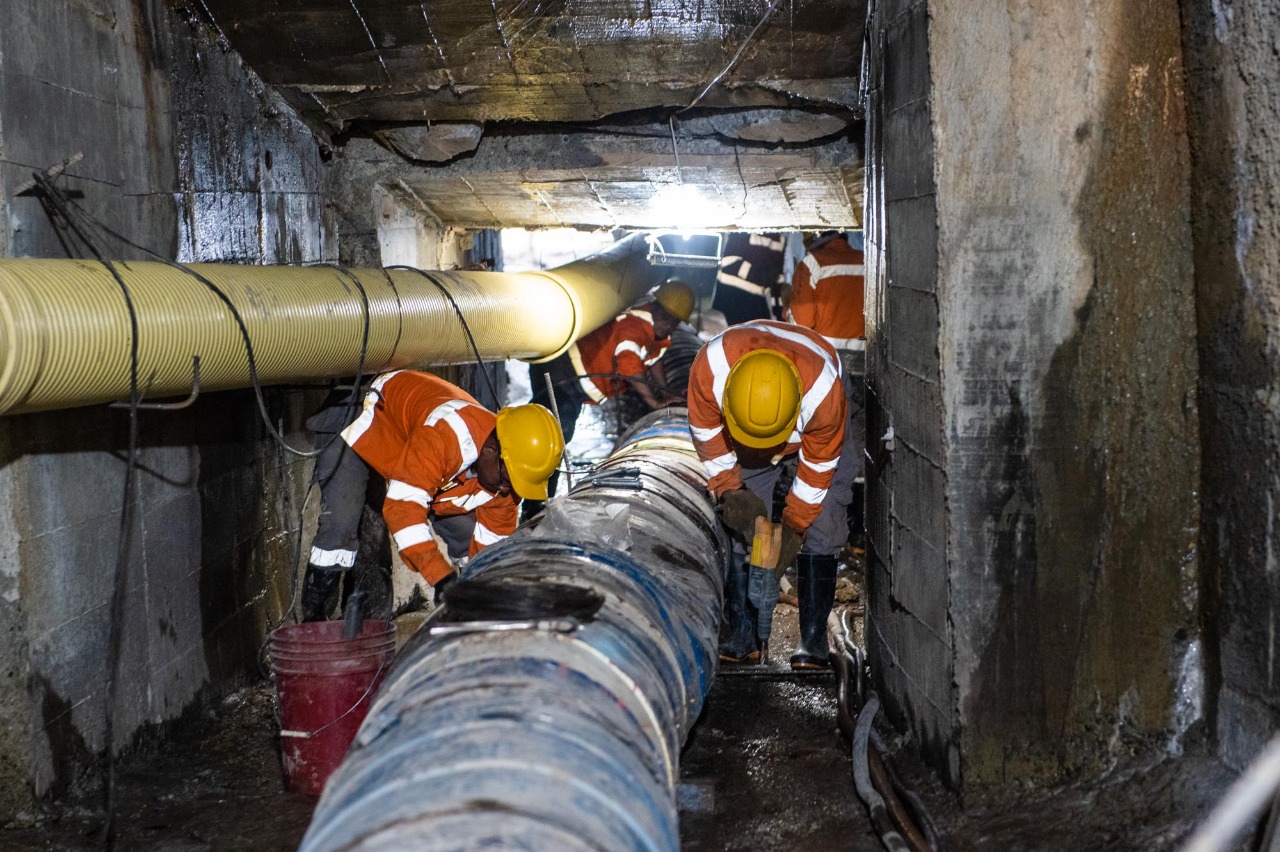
(760, 392)
(611, 359)
(454, 470)
(827, 292)
(827, 295)
(750, 279)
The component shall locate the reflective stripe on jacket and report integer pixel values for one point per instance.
(624, 345)
(819, 432)
(752, 262)
(827, 293)
(423, 435)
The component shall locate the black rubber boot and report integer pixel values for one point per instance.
(817, 593)
(739, 629)
(319, 591)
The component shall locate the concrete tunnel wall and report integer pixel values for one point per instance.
(176, 134)
(1234, 118)
(908, 613)
(1035, 563)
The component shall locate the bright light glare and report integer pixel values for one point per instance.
(684, 208)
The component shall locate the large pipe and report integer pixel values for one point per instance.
(546, 736)
(65, 328)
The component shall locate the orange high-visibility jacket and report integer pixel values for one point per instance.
(624, 345)
(423, 435)
(818, 434)
(827, 293)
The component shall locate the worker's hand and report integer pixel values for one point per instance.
(738, 511)
(791, 542)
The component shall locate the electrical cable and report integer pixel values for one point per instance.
(64, 205)
(264, 668)
(768, 13)
(395, 291)
(493, 391)
(906, 809)
(71, 205)
(62, 212)
(675, 150)
(50, 195)
(466, 328)
(889, 836)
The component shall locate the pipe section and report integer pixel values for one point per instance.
(543, 735)
(65, 331)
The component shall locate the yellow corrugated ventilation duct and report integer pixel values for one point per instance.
(64, 326)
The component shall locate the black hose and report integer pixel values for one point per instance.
(911, 800)
(846, 660)
(889, 835)
(844, 719)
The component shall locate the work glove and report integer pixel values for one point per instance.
(791, 542)
(739, 510)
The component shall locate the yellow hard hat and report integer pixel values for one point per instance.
(762, 399)
(677, 297)
(531, 446)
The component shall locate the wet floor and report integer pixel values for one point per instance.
(1143, 803)
(765, 769)
(218, 786)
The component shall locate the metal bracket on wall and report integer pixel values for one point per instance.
(172, 406)
(28, 187)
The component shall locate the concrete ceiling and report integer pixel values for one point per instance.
(560, 112)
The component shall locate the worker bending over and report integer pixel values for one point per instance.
(612, 358)
(453, 469)
(828, 291)
(758, 393)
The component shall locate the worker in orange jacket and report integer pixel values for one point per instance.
(613, 357)
(758, 393)
(828, 290)
(827, 295)
(454, 470)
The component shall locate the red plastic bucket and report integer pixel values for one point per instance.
(324, 686)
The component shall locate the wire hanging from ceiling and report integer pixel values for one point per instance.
(768, 13)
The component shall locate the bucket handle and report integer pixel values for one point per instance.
(306, 735)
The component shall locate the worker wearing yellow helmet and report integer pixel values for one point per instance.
(454, 472)
(623, 353)
(758, 393)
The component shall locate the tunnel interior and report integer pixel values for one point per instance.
(1072, 316)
